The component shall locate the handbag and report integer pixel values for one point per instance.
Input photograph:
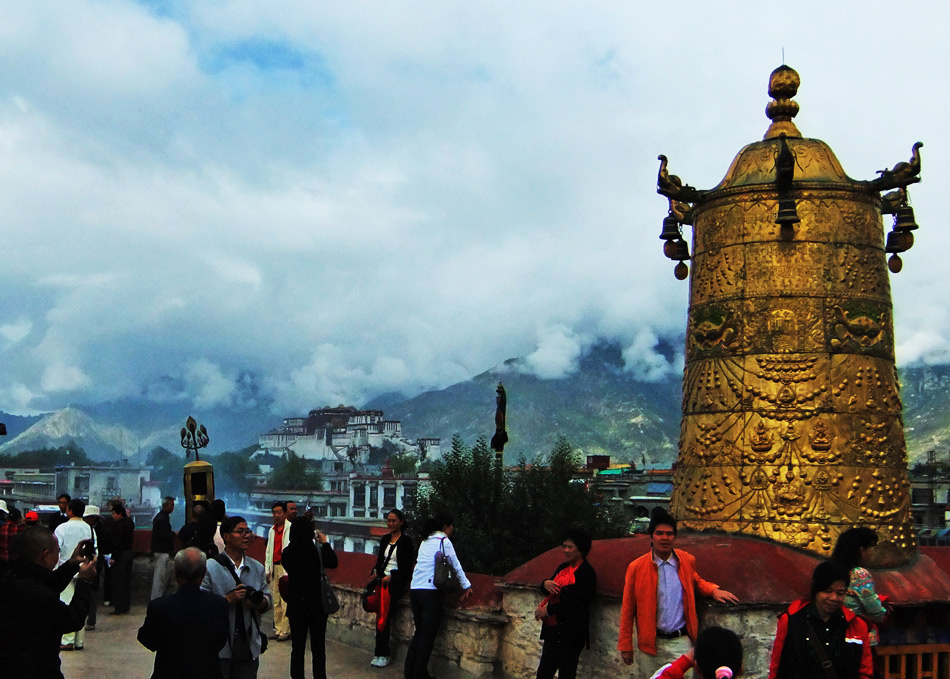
(370, 596)
(445, 578)
(283, 587)
(327, 596)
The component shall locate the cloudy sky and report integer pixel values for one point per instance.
(315, 202)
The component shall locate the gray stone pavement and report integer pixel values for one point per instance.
(111, 650)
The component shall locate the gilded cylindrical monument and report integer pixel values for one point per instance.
(792, 426)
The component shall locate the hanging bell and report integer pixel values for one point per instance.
(899, 241)
(904, 218)
(671, 228)
(787, 213)
(676, 249)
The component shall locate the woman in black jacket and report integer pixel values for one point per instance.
(394, 561)
(565, 611)
(301, 560)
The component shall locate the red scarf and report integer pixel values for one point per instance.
(563, 577)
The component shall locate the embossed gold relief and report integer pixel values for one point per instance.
(864, 384)
(718, 274)
(792, 423)
(784, 325)
(860, 273)
(787, 269)
(714, 385)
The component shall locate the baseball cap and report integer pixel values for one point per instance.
(32, 517)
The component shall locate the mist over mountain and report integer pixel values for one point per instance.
(601, 408)
(603, 405)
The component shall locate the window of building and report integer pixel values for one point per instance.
(921, 496)
(359, 512)
(359, 495)
(389, 496)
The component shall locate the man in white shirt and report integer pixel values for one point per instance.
(278, 537)
(69, 534)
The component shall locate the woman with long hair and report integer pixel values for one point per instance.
(565, 610)
(301, 559)
(818, 638)
(427, 602)
(394, 560)
(851, 551)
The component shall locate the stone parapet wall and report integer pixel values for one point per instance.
(520, 649)
(505, 641)
(470, 638)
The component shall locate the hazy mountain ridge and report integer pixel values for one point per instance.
(925, 390)
(601, 408)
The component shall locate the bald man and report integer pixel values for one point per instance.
(186, 629)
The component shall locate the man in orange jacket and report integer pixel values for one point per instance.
(659, 596)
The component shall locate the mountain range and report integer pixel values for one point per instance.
(601, 409)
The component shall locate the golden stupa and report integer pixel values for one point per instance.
(792, 426)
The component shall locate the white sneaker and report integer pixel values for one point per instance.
(383, 661)
(375, 661)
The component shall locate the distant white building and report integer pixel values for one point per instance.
(341, 438)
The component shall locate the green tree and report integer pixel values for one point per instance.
(47, 458)
(292, 473)
(167, 470)
(506, 518)
(234, 472)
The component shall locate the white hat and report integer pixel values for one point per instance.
(91, 510)
(3, 506)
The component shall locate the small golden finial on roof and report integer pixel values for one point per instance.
(783, 85)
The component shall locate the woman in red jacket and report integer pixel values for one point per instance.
(818, 638)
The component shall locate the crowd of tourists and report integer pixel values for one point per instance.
(211, 624)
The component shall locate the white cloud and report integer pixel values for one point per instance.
(642, 359)
(221, 187)
(58, 377)
(557, 353)
(16, 332)
(208, 384)
(18, 399)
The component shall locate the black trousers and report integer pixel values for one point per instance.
(560, 658)
(122, 581)
(316, 627)
(427, 611)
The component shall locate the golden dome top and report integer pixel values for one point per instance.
(814, 159)
(783, 85)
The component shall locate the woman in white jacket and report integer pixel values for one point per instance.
(427, 602)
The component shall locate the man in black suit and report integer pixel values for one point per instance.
(186, 629)
(60, 517)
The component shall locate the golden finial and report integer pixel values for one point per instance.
(783, 85)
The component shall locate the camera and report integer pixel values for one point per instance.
(88, 549)
(255, 596)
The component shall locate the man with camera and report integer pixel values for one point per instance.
(69, 535)
(239, 579)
